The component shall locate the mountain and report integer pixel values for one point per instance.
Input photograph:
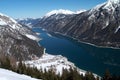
(28, 21)
(9, 75)
(57, 19)
(18, 41)
(99, 25)
(57, 14)
(60, 11)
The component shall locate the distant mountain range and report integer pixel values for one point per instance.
(18, 41)
(99, 25)
(31, 22)
(28, 21)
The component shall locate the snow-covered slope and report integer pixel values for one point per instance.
(9, 75)
(17, 40)
(9, 21)
(14, 25)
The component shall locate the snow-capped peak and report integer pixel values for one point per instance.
(60, 11)
(80, 11)
(114, 1)
(6, 20)
(3, 15)
(15, 26)
(109, 5)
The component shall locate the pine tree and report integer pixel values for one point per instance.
(5, 63)
(20, 68)
(89, 76)
(107, 75)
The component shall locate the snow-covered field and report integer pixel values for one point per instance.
(9, 75)
(55, 62)
(33, 37)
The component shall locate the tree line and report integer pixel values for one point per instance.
(71, 74)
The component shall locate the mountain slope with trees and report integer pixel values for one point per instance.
(17, 40)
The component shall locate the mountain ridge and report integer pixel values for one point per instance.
(99, 25)
(18, 41)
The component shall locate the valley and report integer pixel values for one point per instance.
(61, 41)
(84, 56)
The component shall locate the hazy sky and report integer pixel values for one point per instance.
(37, 8)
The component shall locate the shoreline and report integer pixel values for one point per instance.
(57, 62)
(59, 35)
(80, 70)
(79, 41)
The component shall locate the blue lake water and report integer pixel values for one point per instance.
(84, 56)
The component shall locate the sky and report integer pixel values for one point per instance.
(38, 8)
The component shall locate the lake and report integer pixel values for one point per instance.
(84, 56)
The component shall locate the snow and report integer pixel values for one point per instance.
(32, 37)
(106, 24)
(96, 8)
(114, 1)
(109, 5)
(117, 29)
(2, 22)
(1, 14)
(8, 17)
(112, 4)
(80, 11)
(37, 33)
(6, 20)
(60, 11)
(91, 17)
(49, 35)
(55, 62)
(9, 75)
(13, 20)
